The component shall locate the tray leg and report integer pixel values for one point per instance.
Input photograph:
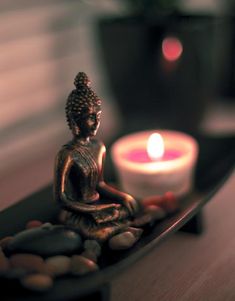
(195, 225)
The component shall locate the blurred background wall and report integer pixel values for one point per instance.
(43, 44)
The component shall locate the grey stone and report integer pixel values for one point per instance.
(46, 241)
(93, 246)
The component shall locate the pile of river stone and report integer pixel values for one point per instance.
(43, 252)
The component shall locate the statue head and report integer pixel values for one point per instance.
(83, 108)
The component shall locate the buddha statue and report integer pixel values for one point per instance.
(96, 209)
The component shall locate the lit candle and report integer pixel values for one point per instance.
(155, 162)
(155, 151)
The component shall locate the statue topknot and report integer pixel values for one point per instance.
(80, 98)
(81, 80)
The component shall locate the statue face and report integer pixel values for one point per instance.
(90, 122)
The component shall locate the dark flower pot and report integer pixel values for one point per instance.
(151, 90)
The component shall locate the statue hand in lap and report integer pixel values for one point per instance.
(91, 204)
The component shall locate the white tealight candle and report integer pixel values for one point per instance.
(155, 162)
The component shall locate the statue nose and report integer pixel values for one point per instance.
(96, 121)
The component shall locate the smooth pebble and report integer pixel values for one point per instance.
(33, 224)
(93, 246)
(47, 240)
(27, 262)
(58, 265)
(81, 265)
(137, 232)
(37, 282)
(90, 255)
(153, 200)
(47, 225)
(156, 211)
(144, 220)
(122, 241)
(171, 203)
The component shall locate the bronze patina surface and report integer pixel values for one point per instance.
(95, 208)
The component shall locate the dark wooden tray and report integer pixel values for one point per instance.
(215, 164)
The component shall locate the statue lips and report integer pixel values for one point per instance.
(94, 131)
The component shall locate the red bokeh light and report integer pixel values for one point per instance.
(172, 48)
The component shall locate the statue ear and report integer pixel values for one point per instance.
(75, 128)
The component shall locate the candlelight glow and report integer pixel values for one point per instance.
(172, 49)
(155, 146)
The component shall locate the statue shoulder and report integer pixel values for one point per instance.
(98, 144)
(65, 153)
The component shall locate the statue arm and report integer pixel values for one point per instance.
(109, 192)
(64, 162)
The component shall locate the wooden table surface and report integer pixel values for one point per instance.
(188, 267)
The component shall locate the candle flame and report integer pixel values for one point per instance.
(155, 146)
